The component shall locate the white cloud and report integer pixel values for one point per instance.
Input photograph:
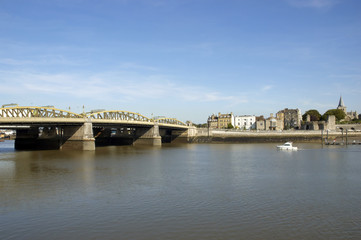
(266, 88)
(124, 86)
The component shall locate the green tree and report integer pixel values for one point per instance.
(201, 125)
(230, 126)
(314, 115)
(339, 114)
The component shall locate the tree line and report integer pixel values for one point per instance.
(316, 116)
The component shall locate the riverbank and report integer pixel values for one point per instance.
(205, 135)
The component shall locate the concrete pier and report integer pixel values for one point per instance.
(147, 136)
(78, 137)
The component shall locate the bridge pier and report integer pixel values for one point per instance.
(47, 138)
(148, 136)
(78, 137)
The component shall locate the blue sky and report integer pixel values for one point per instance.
(181, 58)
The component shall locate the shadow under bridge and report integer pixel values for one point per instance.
(129, 128)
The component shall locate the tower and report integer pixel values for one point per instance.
(342, 106)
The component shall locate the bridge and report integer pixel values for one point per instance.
(52, 128)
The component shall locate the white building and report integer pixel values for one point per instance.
(245, 122)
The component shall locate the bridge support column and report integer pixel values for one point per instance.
(78, 137)
(148, 136)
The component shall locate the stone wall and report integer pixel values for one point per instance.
(219, 135)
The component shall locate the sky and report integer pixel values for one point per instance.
(184, 59)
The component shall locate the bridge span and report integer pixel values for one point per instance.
(52, 128)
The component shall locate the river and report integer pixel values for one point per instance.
(190, 191)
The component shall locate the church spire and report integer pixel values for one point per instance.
(341, 104)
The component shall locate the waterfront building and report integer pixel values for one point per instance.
(349, 115)
(225, 119)
(213, 121)
(269, 124)
(245, 122)
(342, 106)
(353, 115)
(280, 116)
(330, 124)
(291, 118)
(260, 124)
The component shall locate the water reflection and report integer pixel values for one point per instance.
(7, 169)
(6, 146)
(204, 191)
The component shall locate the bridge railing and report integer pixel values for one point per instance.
(36, 112)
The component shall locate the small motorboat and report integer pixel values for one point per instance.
(287, 146)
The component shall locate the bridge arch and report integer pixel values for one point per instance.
(36, 112)
(170, 121)
(119, 115)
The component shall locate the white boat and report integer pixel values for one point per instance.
(287, 146)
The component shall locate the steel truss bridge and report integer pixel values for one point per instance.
(52, 128)
(43, 115)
